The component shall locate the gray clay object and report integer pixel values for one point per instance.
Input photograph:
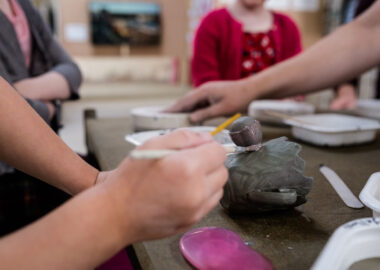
(246, 131)
(269, 179)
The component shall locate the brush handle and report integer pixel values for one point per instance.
(157, 154)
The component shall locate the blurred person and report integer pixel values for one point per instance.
(241, 40)
(346, 93)
(344, 54)
(44, 74)
(139, 200)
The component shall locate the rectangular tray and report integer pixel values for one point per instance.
(333, 129)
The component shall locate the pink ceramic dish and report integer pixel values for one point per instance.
(212, 248)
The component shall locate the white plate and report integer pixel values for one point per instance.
(333, 129)
(368, 108)
(370, 194)
(352, 242)
(152, 118)
(141, 137)
(258, 108)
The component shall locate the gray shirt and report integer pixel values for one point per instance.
(47, 55)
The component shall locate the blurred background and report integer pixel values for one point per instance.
(137, 53)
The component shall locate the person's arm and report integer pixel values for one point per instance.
(28, 144)
(341, 56)
(205, 64)
(48, 86)
(140, 200)
(63, 80)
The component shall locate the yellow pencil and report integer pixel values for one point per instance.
(228, 122)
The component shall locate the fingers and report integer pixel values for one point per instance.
(204, 159)
(217, 109)
(212, 202)
(188, 102)
(179, 139)
(215, 181)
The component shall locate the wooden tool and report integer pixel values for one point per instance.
(223, 126)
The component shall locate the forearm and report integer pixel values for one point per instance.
(340, 57)
(81, 234)
(49, 86)
(28, 144)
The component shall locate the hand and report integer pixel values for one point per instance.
(223, 98)
(345, 99)
(51, 109)
(162, 197)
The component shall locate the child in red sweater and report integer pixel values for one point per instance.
(241, 40)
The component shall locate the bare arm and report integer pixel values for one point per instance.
(28, 144)
(48, 86)
(140, 200)
(341, 56)
(349, 51)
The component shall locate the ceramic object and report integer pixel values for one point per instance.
(370, 195)
(212, 248)
(258, 108)
(246, 131)
(266, 180)
(333, 129)
(152, 118)
(368, 108)
(141, 137)
(351, 243)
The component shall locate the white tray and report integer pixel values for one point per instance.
(141, 137)
(370, 194)
(258, 108)
(368, 108)
(333, 129)
(152, 118)
(352, 242)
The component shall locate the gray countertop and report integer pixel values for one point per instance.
(290, 239)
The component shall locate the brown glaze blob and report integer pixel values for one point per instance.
(246, 131)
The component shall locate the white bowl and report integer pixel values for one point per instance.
(352, 242)
(370, 195)
(333, 129)
(258, 108)
(152, 118)
(369, 108)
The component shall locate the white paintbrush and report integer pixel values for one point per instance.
(157, 154)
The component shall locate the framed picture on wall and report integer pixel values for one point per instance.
(125, 23)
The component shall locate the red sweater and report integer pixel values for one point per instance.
(218, 46)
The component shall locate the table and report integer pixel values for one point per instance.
(290, 239)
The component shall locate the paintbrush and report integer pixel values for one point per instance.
(225, 124)
(158, 154)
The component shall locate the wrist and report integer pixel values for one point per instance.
(118, 198)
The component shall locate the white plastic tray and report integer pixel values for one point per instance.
(370, 195)
(333, 129)
(368, 108)
(258, 108)
(152, 118)
(352, 242)
(141, 137)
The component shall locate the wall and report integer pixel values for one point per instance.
(174, 20)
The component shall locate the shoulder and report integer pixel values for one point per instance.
(217, 16)
(282, 20)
